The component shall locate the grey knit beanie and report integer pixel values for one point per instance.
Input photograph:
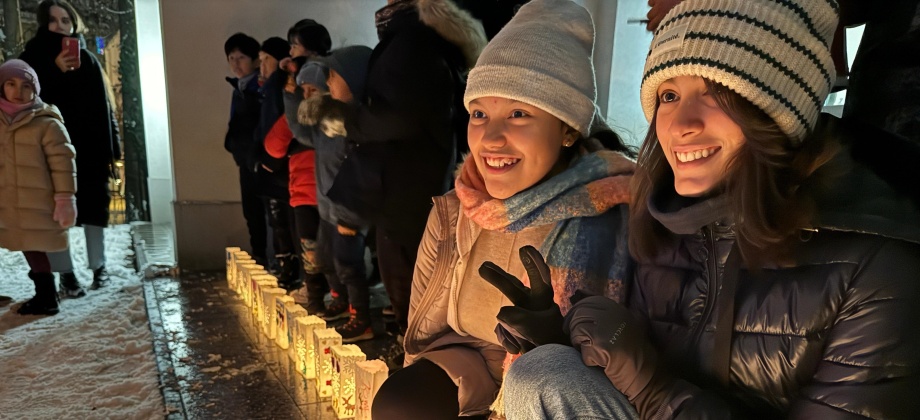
(542, 57)
(774, 53)
(313, 73)
(350, 63)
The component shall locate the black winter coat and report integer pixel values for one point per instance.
(272, 184)
(81, 97)
(414, 86)
(833, 335)
(245, 109)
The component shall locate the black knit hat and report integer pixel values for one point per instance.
(276, 47)
(311, 35)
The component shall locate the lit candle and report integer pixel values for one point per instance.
(269, 295)
(294, 311)
(323, 341)
(369, 375)
(305, 346)
(344, 358)
(280, 328)
(230, 257)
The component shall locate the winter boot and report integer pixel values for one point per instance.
(358, 327)
(70, 287)
(288, 272)
(100, 278)
(45, 301)
(5, 300)
(338, 309)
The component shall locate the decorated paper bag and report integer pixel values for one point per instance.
(369, 375)
(269, 295)
(305, 344)
(258, 284)
(230, 257)
(344, 358)
(292, 312)
(280, 328)
(323, 341)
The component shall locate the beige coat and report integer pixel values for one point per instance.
(36, 162)
(473, 364)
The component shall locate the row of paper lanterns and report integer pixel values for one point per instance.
(341, 372)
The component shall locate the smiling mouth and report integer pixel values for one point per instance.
(690, 156)
(500, 163)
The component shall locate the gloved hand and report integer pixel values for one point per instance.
(65, 209)
(607, 335)
(534, 319)
(326, 111)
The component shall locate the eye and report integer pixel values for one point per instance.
(477, 114)
(517, 113)
(668, 96)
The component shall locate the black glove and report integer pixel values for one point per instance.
(534, 319)
(607, 335)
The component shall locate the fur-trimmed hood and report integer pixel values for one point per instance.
(456, 25)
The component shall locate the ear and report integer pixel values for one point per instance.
(570, 136)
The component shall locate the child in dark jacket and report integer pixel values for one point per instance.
(342, 234)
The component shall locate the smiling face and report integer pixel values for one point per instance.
(697, 137)
(60, 21)
(241, 65)
(515, 145)
(18, 90)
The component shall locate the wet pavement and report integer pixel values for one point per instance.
(215, 363)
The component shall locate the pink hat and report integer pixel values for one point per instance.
(21, 69)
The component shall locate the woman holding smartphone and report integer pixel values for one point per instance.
(72, 79)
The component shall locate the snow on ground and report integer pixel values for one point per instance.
(92, 360)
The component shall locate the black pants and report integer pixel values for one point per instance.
(342, 261)
(254, 213)
(282, 221)
(397, 263)
(421, 390)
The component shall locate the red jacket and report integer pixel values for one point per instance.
(302, 181)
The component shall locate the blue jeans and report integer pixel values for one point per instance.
(551, 382)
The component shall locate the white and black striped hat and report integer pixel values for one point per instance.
(774, 53)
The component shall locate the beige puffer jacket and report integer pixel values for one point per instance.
(36, 162)
(474, 365)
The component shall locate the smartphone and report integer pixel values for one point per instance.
(72, 47)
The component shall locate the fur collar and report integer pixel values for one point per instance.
(457, 26)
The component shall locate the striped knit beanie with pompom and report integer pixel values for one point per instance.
(774, 53)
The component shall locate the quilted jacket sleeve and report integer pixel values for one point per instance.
(59, 154)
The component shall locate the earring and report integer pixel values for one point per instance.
(568, 142)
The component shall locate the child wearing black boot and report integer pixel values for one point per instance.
(37, 180)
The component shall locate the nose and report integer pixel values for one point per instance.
(686, 119)
(493, 135)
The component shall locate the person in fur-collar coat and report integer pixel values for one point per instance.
(409, 121)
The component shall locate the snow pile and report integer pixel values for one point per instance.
(92, 360)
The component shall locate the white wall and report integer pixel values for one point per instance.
(199, 98)
(207, 210)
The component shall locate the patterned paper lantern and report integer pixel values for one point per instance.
(292, 312)
(323, 341)
(244, 275)
(280, 329)
(269, 295)
(238, 259)
(344, 358)
(230, 260)
(369, 375)
(258, 284)
(305, 344)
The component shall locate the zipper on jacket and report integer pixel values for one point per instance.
(713, 288)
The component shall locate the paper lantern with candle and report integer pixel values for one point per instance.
(229, 255)
(254, 295)
(244, 276)
(369, 375)
(305, 344)
(238, 259)
(269, 295)
(323, 341)
(280, 329)
(292, 312)
(344, 358)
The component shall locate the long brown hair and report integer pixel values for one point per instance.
(44, 14)
(761, 184)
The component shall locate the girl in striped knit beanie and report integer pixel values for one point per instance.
(777, 259)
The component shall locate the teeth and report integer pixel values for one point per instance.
(694, 155)
(500, 162)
